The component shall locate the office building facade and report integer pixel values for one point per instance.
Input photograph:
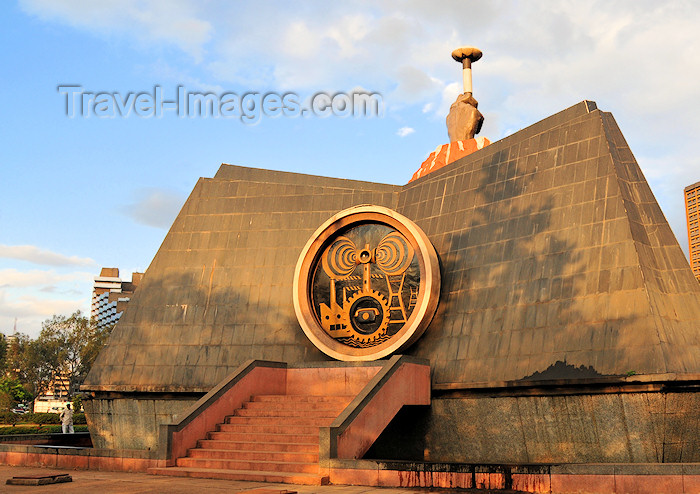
(692, 214)
(110, 295)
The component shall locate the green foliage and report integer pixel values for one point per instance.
(59, 346)
(15, 357)
(3, 352)
(9, 418)
(38, 418)
(77, 403)
(14, 388)
(95, 341)
(12, 392)
(6, 401)
(40, 429)
(25, 362)
(41, 418)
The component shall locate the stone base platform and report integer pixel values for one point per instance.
(669, 478)
(560, 479)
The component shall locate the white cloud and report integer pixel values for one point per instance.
(43, 278)
(174, 22)
(404, 131)
(154, 207)
(34, 296)
(414, 84)
(638, 60)
(448, 96)
(37, 255)
(31, 310)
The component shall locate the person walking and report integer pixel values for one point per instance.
(67, 420)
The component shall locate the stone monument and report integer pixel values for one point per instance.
(537, 276)
(463, 121)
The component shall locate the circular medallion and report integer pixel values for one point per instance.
(367, 284)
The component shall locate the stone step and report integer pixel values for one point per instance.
(287, 421)
(264, 437)
(235, 464)
(269, 428)
(272, 438)
(247, 455)
(274, 411)
(301, 399)
(260, 476)
(334, 406)
(310, 447)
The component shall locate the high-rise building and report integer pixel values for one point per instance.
(12, 341)
(110, 295)
(692, 214)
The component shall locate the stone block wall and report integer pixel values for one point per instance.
(130, 422)
(656, 427)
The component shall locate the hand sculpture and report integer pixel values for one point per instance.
(464, 120)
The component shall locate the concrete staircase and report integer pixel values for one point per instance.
(272, 438)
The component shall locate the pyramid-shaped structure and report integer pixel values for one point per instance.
(557, 265)
(553, 250)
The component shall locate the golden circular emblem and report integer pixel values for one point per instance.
(367, 284)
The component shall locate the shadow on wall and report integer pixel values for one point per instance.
(188, 329)
(511, 274)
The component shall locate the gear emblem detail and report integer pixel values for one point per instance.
(369, 315)
(370, 290)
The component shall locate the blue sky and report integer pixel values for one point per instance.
(85, 192)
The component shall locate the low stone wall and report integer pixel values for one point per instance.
(79, 458)
(621, 427)
(550, 479)
(77, 440)
(559, 479)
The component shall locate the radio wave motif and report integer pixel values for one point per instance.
(339, 260)
(394, 254)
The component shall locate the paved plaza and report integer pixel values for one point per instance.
(95, 482)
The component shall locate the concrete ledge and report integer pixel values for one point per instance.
(106, 453)
(598, 385)
(326, 364)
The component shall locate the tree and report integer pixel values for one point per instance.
(6, 402)
(35, 364)
(66, 349)
(62, 354)
(3, 352)
(97, 340)
(15, 359)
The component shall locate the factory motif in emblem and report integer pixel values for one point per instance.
(366, 285)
